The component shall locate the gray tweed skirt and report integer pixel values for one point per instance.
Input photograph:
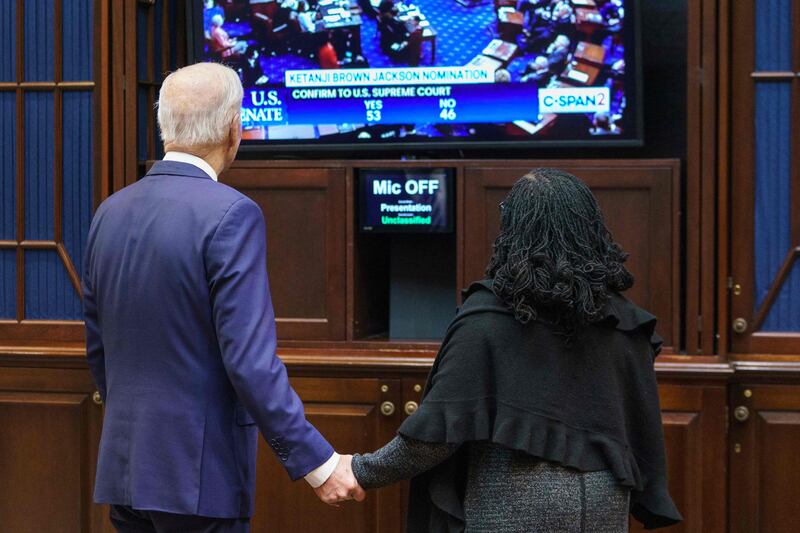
(510, 491)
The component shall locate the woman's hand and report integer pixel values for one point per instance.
(341, 485)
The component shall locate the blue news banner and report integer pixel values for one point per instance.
(410, 104)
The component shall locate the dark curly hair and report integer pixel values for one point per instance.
(554, 259)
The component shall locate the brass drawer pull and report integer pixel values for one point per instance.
(387, 408)
(740, 325)
(741, 413)
(411, 408)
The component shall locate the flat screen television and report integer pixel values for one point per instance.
(405, 200)
(427, 73)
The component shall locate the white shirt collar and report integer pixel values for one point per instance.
(183, 157)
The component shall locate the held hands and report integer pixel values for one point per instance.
(341, 485)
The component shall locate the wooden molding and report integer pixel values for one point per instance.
(372, 359)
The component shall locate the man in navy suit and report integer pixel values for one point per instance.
(180, 333)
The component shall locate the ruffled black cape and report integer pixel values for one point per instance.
(590, 405)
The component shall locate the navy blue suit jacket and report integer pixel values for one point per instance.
(180, 336)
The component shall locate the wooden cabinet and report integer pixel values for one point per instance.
(764, 176)
(347, 412)
(741, 479)
(640, 202)
(764, 459)
(48, 449)
(305, 216)
(325, 277)
(694, 434)
(354, 416)
(350, 413)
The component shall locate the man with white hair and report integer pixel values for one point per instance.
(222, 43)
(558, 53)
(537, 71)
(180, 333)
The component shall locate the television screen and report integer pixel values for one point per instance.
(456, 72)
(412, 200)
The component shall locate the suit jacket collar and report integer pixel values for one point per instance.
(176, 168)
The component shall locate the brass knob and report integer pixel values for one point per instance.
(96, 398)
(417, 388)
(387, 408)
(411, 408)
(740, 325)
(741, 413)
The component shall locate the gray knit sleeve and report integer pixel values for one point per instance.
(402, 458)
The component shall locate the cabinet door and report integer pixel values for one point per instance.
(48, 451)
(304, 210)
(764, 179)
(694, 433)
(640, 203)
(764, 458)
(348, 412)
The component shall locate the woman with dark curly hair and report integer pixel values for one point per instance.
(541, 411)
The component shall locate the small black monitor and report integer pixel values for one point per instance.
(409, 200)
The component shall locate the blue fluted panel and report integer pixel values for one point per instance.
(39, 153)
(8, 165)
(78, 166)
(141, 41)
(38, 20)
(78, 39)
(49, 294)
(773, 35)
(784, 315)
(8, 41)
(772, 188)
(8, 284)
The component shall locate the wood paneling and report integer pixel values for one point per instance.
(694, 434)
(347, 412)
(307, 209)
(745, 303)
(681, 437)
(640, 202)
(305, 217)
(705, 20)
(48, 451)
(48, 455)
(38, 332)
(48, 428)
(764, 463)
(50, 171)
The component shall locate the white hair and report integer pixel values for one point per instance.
(197, 105)
(217, 20)
(501, 75)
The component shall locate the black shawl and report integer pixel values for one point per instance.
(591, 404)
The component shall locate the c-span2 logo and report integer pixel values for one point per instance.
(574, 100)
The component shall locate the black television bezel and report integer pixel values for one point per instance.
(195, 42)
(450, 179)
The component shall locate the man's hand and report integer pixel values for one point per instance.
(342, 484)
